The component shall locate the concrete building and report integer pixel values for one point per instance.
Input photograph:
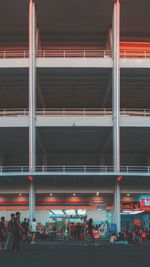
(74, 105)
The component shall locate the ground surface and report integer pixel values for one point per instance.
(58, 254)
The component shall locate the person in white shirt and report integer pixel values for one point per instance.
(33, 228)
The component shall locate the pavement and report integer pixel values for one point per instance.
(74, 253)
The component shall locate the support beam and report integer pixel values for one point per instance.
(38, 40)
(40, 94)
(107, 92)
(116, 108)
(32, 105)
(109, 41)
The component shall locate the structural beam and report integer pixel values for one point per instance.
(116, 108)
(32, 105)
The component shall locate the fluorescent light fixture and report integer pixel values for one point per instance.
(58, 212)
(81, 212)
(130, 212)
(70, 212)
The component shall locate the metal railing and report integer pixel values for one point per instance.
(14, 54)
(74, 112)
(75, 53)
(135, 53)
(75, 168)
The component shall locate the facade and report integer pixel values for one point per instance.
(74, 106)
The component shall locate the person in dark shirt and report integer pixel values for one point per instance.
(10, 234)
(90, 237)
(78, 227)
(18, 230)
(3, 232)
(25, 225)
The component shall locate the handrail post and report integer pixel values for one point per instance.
(64, 169)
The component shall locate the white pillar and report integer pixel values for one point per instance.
(116, 108)
(32, 105)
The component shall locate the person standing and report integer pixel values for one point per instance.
(33, 229)
(18, 230)
(25, 225)
(3, 232)
(10, 234)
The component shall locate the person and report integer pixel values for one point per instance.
(3, 232)
(90, 237)
(113, 238)
(78, 227)
(33, 228)
(18, 230)
(25, 225)
(10, 234)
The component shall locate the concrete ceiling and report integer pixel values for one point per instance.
(135, 20)
(69, 21)
(76, 140)
(75, 88)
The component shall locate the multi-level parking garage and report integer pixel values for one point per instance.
(74, 106)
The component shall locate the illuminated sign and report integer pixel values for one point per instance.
(81, 212)
(70, 212)
(146, 202)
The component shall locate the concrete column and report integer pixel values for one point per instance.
(116, 107)
(32, 105)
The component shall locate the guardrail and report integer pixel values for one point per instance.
(14, 54)
(75, 53)
(135, 53)
(74, 112)
(57, 53)
(75, 168)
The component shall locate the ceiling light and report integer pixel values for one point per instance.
(74, 194)
(51, 194)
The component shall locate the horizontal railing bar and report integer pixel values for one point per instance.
(75, 168)
(75, 53)
(74, 112)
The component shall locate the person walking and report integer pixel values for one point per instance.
(3, 232)
(10, 234)
(18, 230)
(33, 229)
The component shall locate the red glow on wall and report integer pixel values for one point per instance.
(119, 178)
(30, 178)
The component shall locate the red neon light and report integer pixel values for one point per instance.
(30, 178)
(119, 178)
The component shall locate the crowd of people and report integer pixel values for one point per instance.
(134, 236)
(13, 232)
